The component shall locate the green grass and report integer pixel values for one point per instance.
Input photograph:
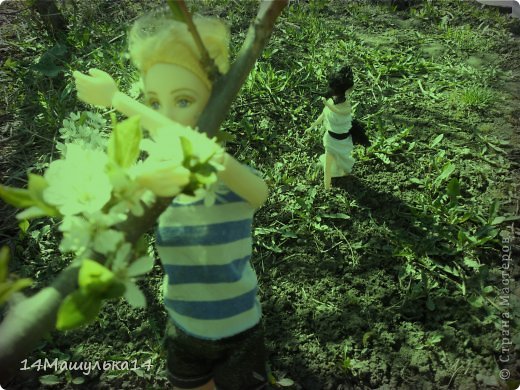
(393, 277)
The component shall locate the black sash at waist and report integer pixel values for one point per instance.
(339, 136)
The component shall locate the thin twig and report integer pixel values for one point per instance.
(15, 12)
(206, 61)
(116, 38)
(3, 140)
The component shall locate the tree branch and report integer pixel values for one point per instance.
(29, 320)
(226, 88)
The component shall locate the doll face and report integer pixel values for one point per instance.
(175, 92)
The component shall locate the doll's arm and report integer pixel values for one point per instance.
(316, 123)
(100, 89)
(343, 109)
(243, 182)
(150, 119)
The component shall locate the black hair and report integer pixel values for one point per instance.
(340, 81)
(357, 132)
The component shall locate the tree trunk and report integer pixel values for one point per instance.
(52, 18)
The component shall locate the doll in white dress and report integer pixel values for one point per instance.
(340, 131)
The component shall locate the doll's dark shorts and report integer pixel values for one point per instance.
(235, 363)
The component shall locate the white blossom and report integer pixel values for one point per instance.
(127, 273)
(79, 182)
(106, 241)
(92, 230)
(77, 233)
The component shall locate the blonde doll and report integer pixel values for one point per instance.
(214, 337)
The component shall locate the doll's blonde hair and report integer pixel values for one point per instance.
(157, 38)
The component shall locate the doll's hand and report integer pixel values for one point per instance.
(311, 127)
(316, 123)
(98, 88)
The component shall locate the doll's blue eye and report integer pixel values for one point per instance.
(183, 103)
(155, 105)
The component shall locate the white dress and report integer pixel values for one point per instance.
(341, 150)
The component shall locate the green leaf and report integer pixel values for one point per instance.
(447, 170)
(336, 215)
(285, 382)
(37, 184)
(10, 287)
(486, 232)
(10, 63)
(49, 380)
(4, 261)
(465, 217)
(435, 338)
(17, 197)
(94, 277)
(47, 63)
(499, 220)
(31, 198)
(477, 301)
(31, 213)
(347, 364)
(453, 188)
(383, 158)
(77, 309)
(462, 236)
(436, 140)
(366, 336)
(286, 233)
(493, 210)
(78, 380)
(134, 296)
(471, 263)
(48, 68)
(141, 266)
(123, 144)
(416, 180)
(139, 372)
(24, 226)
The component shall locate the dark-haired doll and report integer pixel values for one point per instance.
(340, 131)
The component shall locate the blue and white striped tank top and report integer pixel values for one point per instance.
(211, 288)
